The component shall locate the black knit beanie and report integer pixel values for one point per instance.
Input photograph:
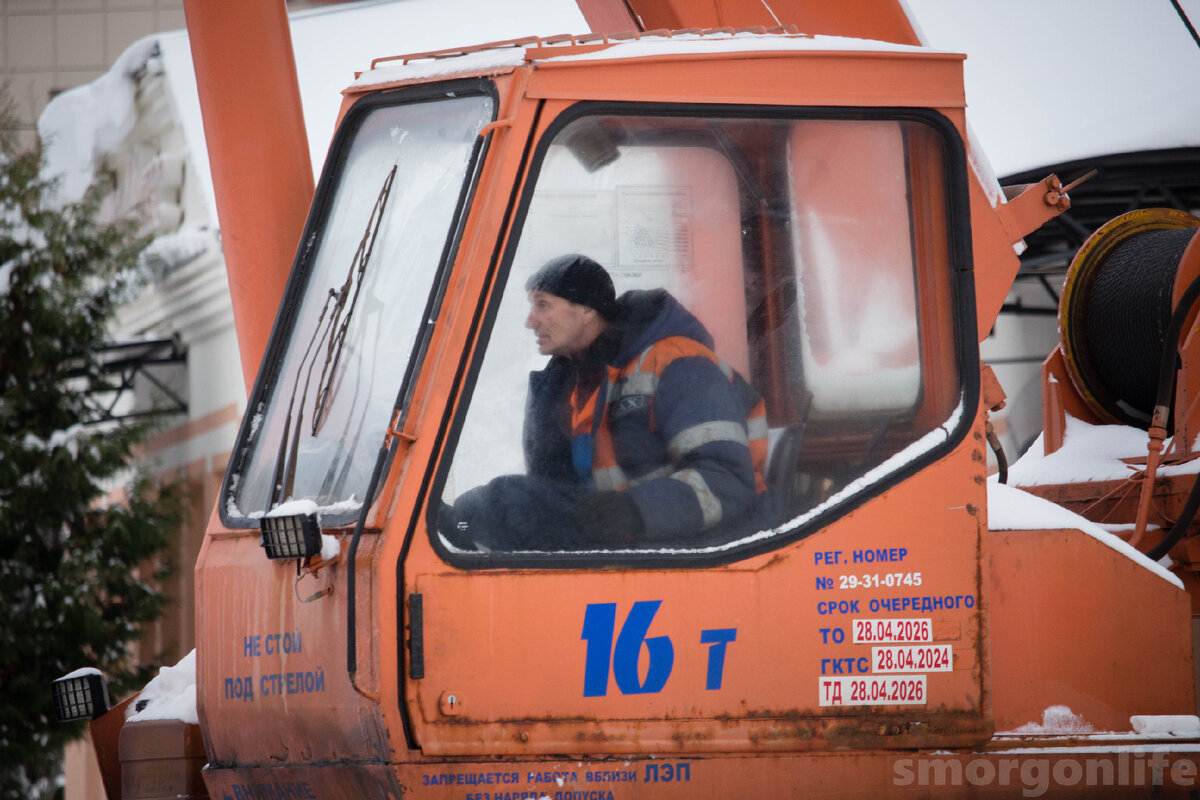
(578, 279)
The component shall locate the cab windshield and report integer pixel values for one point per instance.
(385, 217)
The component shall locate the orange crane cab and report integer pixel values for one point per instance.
(813, 202)
(810, 200)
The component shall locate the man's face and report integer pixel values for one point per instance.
(562, 328)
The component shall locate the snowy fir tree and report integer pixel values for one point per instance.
(79, 571)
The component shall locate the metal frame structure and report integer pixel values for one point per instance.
(1124, 182)
(126, 362)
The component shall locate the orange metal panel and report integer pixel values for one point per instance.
(996, 262)
(162, 758)
(885, 20)
(1060, 398)
(476, 629)
(1075, 623)
(1066, 768)
(468, 287)
(262, 173)
(838, 78)
(480, 638)
(271, 670)
(863, 19)
(105, 734)
(607, 16)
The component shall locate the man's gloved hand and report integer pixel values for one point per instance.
(608, 519)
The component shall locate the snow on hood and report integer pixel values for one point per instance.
(170, 695)
(1012, 509)
(1182, 725)
(1089, 453)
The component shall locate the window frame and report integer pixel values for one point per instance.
(960, 281)
(270, 369)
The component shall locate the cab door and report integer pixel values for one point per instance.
(824, 251)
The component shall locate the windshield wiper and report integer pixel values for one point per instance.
(358, 269)
(284, 477)
(281, 458)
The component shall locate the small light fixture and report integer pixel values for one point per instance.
(83, 694)
(292, 536)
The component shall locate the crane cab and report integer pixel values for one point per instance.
(809, 202)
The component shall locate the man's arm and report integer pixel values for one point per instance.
(701, 422)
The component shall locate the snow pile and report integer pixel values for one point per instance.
(171, 695)
(173, 250)
(1089, 453)
(1011, 509)
(1056, 721)
(1061, 721)
(1184, 725)
(74, 151)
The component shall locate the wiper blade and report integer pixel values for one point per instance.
(283, 480)
(278, 480)
(358, 269)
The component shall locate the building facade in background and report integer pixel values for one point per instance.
(51, 45)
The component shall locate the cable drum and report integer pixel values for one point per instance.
(1116, 307)
(1128, 312)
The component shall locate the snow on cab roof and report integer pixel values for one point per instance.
(503, 56)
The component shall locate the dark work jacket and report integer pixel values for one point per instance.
(699, 493)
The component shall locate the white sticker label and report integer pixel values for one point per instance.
(910, 658)
(892, 631)
(873, 690)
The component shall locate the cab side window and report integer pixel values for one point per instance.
(713, 331)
